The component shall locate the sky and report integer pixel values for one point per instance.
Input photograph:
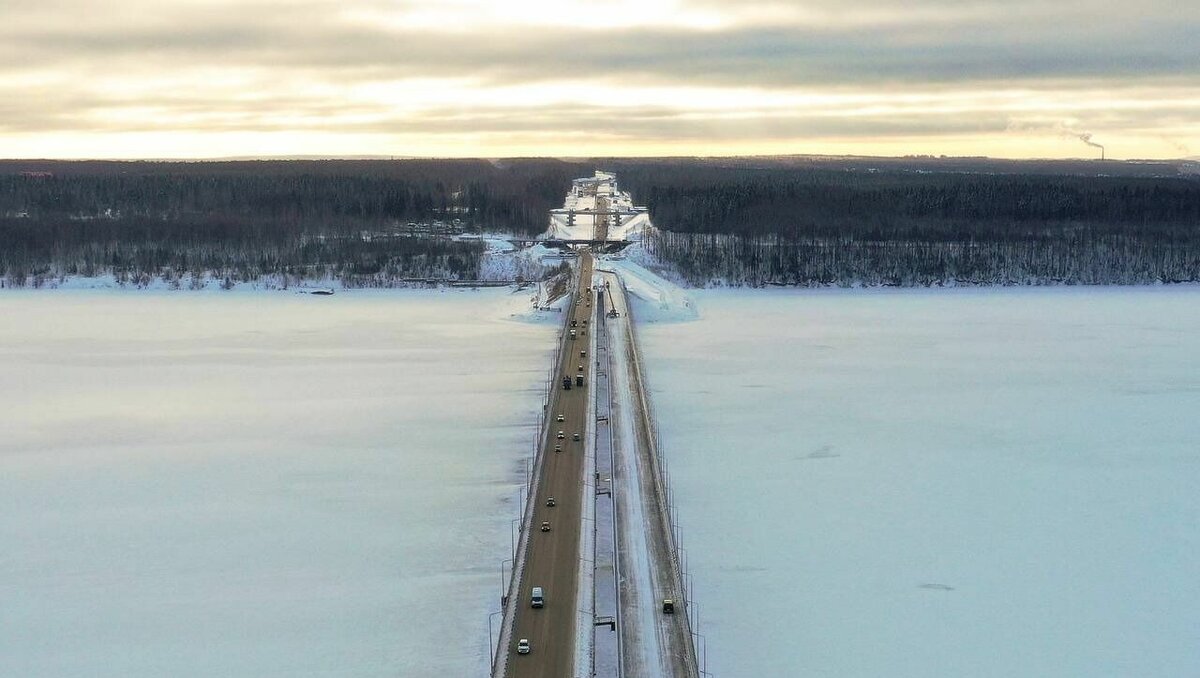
(482, 78)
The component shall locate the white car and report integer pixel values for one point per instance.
(561, 435)
(560, 418)
(523, 646)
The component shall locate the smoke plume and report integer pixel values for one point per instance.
(1086, 137)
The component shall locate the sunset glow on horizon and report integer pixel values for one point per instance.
(454, 78)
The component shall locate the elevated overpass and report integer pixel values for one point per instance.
(599, 245)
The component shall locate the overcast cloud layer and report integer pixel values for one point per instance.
(205, 78)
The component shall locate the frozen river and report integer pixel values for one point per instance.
(256, 484)
(938, 483)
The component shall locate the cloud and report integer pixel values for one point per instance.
(997, 44)
(670, 70)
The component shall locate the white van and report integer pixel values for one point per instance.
(537, 599)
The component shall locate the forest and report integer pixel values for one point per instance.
(790, 220)
(238, 221)
(741, 224)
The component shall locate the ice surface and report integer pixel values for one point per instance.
(938, 483)
(259, 484)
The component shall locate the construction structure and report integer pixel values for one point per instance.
(598, 200)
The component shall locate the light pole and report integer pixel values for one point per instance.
(496, 651)
(704, 661)
(512, 534)
(504, 579)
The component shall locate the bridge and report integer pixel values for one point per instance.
(599, 245)
(600, 216)
(597, 537)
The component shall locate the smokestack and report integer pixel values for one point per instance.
(1086, 138)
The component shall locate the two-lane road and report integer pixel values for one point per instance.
(552, 558)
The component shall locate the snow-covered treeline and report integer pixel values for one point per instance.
(803, 226)
(364, 223)
(715, 260)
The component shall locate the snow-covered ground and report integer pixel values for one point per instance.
(528, 263)
(259, 484)
(938, 483)
(657, 299)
